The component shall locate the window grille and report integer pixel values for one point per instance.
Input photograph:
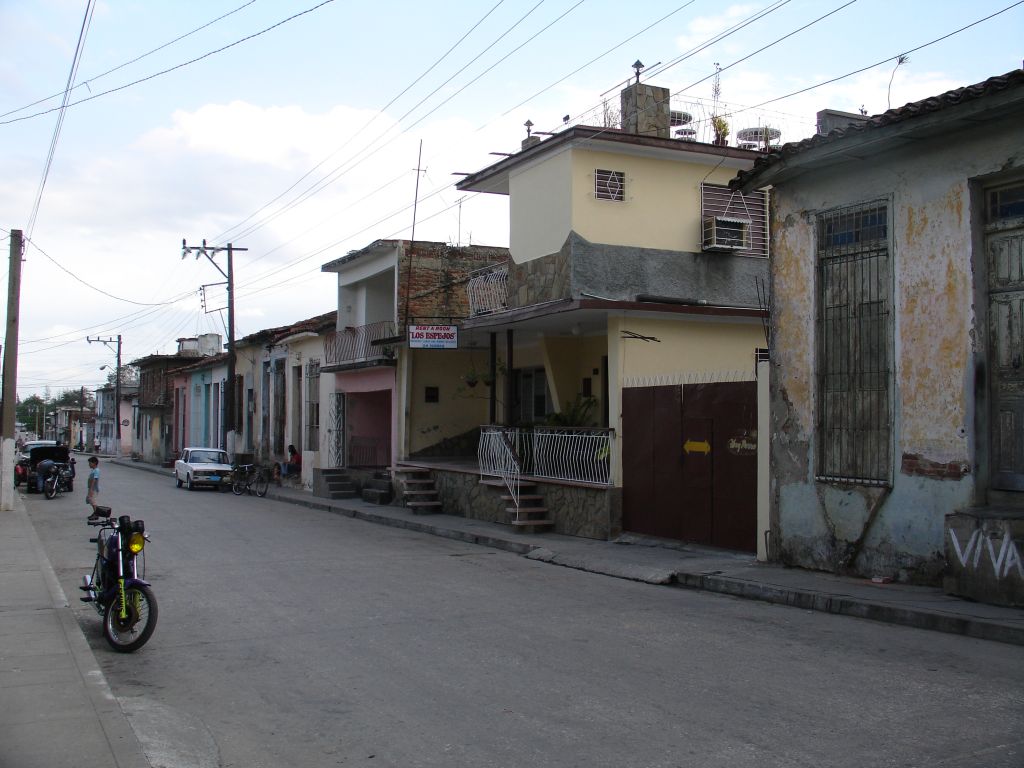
(313, 405)
(609, 185)
(722, 205)
(855, 339)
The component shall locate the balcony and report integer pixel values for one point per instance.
(488, 291)
(360, 346)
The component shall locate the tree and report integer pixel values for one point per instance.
(26, 410)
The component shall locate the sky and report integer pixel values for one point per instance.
(292, 128)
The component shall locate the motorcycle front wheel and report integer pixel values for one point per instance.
(131, 633)
(50, 488)
(262, 484)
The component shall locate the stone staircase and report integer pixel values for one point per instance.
(418, 490)
(338, 484)
(531, 515)
(378, 490)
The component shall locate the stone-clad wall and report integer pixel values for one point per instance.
(586, 511)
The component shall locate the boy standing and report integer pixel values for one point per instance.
(92, 497)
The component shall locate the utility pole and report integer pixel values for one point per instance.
(10, 385)
(117, 389)
(228, 423)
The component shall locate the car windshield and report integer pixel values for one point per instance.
(208, 457)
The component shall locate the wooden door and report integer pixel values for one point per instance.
(1006, 345)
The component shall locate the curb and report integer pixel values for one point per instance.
(125, 748)
(810, 600)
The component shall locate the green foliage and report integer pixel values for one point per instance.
(578, 413)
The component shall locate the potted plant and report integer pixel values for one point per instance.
(721, 128)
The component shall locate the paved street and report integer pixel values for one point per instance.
(295, 637)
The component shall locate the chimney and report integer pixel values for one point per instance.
(530, 140)
(645, 110)
(831, 119)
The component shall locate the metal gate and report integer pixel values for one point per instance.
(690, 463)
(336, 430)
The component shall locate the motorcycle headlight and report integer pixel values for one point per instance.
(136, 542)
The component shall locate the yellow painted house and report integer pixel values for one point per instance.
(622, 334)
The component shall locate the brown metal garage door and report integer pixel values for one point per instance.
(690, 463)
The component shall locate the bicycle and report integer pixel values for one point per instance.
(250, 478)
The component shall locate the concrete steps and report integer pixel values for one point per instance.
(378, 489)
(419, 493)
(339, 485)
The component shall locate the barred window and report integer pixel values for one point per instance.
(609, 185)
(855, 339)
(313, 405)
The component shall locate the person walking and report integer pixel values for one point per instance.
(92, 496)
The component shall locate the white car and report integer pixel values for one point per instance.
(202, 466)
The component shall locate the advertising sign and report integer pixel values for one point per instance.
(434, 336)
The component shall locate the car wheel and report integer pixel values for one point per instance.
(188, 483)
(177, 480)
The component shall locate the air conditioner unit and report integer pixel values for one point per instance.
(726, 233)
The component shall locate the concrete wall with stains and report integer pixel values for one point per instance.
(932, 236)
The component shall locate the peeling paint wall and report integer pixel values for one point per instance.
(895, 532)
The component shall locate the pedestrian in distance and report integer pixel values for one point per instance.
(92, 496)
(96, 444)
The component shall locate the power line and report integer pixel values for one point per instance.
(100, 290)
(129, 63)
(355, 160)
(171, 69)
(79, 48)
(366, 125)
(885, 61)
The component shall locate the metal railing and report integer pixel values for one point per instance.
(488, 292)
(369, 451)
(498, 457)
(576, 454)
(355, 345)
(571, 453)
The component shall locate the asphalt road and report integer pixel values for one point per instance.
(294, 637)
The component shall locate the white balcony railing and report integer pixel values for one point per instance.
(488, 292)
(575, 454)
(356, 345)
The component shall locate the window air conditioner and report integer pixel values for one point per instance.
(726, 233)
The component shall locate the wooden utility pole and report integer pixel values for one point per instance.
(10, 387)
(10, 384)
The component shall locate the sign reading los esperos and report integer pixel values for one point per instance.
(434, 336)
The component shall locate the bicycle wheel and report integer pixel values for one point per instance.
(262, 484)
(50, 487)
(237, 485)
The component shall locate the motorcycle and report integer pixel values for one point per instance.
(117, 588)
(60, 480)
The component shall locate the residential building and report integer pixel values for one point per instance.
(387, 396)
(281, 391)
(622, 334)
(154, 436)
(107, 416)
(897, 415)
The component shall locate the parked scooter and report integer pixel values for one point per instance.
(116, 587)
(60, 480)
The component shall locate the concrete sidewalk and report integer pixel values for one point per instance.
(56, 709)
(730, 573)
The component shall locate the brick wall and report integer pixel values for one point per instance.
(436, 284)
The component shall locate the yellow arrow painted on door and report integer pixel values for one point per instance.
(697, 446)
